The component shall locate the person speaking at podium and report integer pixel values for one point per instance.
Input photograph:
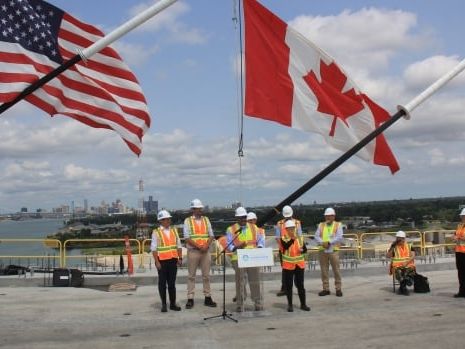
(245, 235)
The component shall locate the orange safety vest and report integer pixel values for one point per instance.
(293, 256)
(282, 228)
(167, 247)
(326, 237)
(401, 255)
(198, 232)
(460, 233)
(250, 237)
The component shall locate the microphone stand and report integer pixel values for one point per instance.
(225, 315)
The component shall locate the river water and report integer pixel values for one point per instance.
(27, 229)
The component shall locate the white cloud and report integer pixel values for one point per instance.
(169, 20)
(423, 73)
(371, 35)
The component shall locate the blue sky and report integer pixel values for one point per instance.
(186, 61)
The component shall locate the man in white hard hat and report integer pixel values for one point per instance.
(329, 237)
(459, 238)
(198, 235)
(167, 254)
(280, 231)
(402, 262)
(245, 235)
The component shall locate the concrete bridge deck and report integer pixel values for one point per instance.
(369, 315)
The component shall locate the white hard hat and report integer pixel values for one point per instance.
(400, 234)
(251, 215)
(463, 212)
(241, 212)
(289, 223)
(196, 203)
(287, 211)
(163, 214)
(330, 212)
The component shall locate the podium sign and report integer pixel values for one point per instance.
(255, 257)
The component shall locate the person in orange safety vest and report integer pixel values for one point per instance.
(293, 256)
(167, 254)
(402, 262)
(459, 238)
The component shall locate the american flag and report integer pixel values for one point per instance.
(37, 37)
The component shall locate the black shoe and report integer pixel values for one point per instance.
(234, 299)
(459, 295)
(281, 293)
(164, 308)
(290, 308)
(190, 304)
(305, 307)
(209, 302)
(338, 293)
(324, 293)
(175, 307)
(404, 291)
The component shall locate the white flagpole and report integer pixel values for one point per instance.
(431, 89)
(125, 28)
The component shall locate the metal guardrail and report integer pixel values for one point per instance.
(70, 241)
(358, 247)
(51, 243)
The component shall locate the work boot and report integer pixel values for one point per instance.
(190, 304)
(290, 307)
(172, 296)
(209, 302)
(164, 308)
(175, 307)
(338, 293)
(281, 293)
(324, 293)
(303, 302)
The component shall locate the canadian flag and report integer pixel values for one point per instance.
(291, 81)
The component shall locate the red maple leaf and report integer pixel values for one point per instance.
(331, 99)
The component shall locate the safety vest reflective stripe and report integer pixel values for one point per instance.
(250, 237)
(460, 233)
(283, 230)
(326, 234)
(293, 256)
(199, 234)
(402, 255)
(167, 247)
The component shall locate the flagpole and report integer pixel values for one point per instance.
(402, 111)
(92, 49)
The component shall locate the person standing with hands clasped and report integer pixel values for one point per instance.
(167, 254)
(293, 252)
(329, 237)
(198, 235)
(459, 238)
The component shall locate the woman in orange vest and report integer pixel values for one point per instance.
(167, 254)
(459, 239)
(402, 262)
(293, 250)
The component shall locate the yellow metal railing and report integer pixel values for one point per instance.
(51, 243)
(426, 241)
(80, 241)
(383, 249)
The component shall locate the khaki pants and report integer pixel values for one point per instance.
(253, 276)
(196, 258)
(325, 260)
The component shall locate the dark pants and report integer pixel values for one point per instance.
(167, 275)
(460, 263)
(296, 277)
